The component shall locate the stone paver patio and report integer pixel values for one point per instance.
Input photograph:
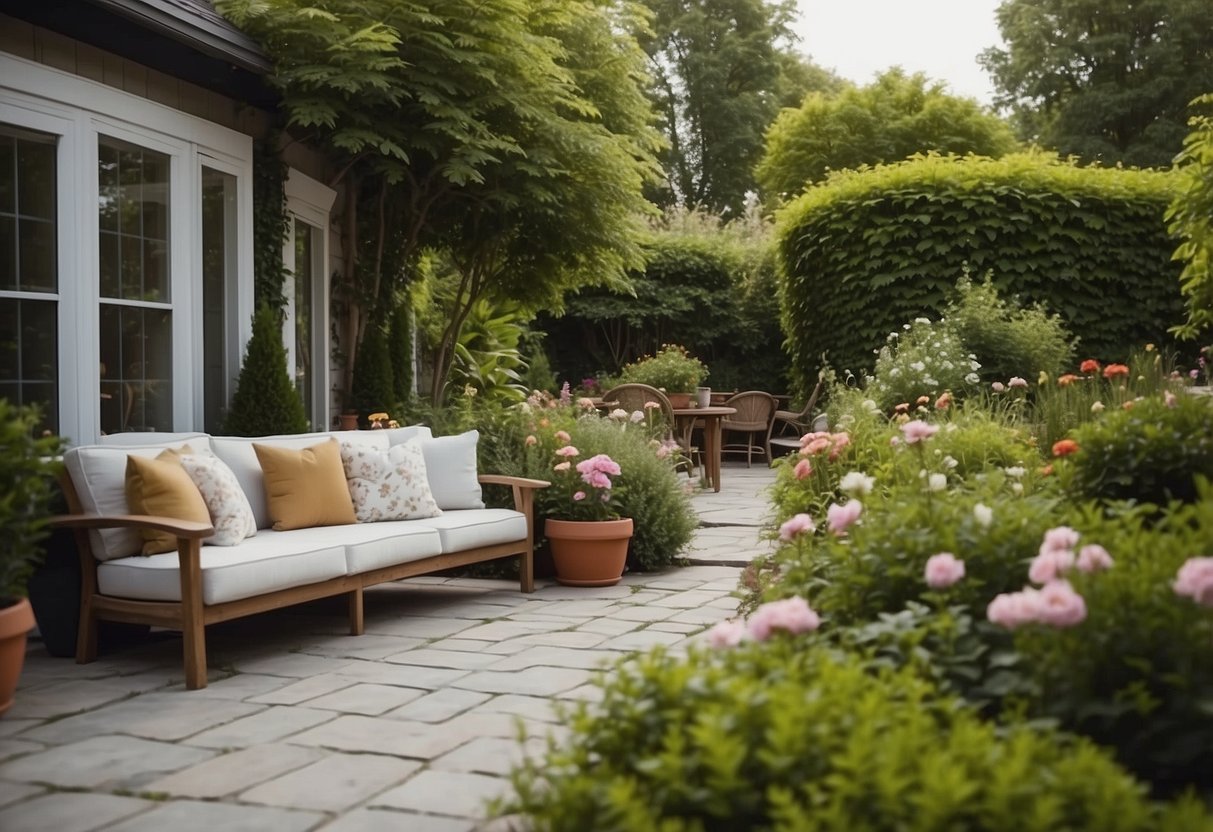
(411, 726)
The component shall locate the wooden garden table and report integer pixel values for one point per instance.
(711, 417)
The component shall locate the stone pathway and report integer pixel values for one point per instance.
(411, 726)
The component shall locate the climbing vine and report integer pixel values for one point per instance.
(270, 223)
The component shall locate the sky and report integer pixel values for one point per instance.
(860, 38)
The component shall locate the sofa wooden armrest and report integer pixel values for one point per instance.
(186, 529)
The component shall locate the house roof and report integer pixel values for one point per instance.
(217, 55)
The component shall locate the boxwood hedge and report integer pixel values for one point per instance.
(870, 249)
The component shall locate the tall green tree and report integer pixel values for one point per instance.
(1104, 80)
(1191, 218)
(891, 119)
(720, 68)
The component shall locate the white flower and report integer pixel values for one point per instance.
(905, 326)
(918, 366)
(973, 365)
(937, 482)
(972, 378)
(930, 382)
(1014, 471)
(949, 462)
(1017, 487)
(857, 484)
(637, 416)
(620, 414)
(922, 320)
(870, 406)
(894, 372)
(983, 514)
(1097, 407)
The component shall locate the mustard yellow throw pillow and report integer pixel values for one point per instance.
(161, 487)
(306, 487)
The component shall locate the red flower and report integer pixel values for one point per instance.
(1089, 366)
(1065, 447)
(1114, 370)
(1066, 380)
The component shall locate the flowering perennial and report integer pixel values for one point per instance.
(792, 615)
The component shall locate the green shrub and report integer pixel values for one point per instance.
(925, 358)
(27, 481)
(671, 369)
(1190, 216)
(374, 388)
(867, 250)
(777, 737)
(1008, 340)
(400, 352)
(266, 401)
(1152, 452)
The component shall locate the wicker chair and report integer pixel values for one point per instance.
(800, 423)
(755, 411)
(633, 397)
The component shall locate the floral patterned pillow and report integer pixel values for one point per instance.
(388, 485)
(231, 514)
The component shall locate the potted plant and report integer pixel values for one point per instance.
(589, 540)
(27, 473)
(672, 369)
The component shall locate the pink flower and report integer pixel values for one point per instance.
(943, 570)
(1169, 399)
(651, 405)
(1060, 537)
(586, 403)
(1195, 581)
(841, 517)
(726, 634)
(601, 463)
(1012, 609)
(563, 436)
(663, 452)
(998, 387)
(1060, 605)
(791, 614)
(596, 479)
(568, 450)
(1016, 381)
(918, 430)
(797, 525)
(817, 445)
(562, 466)
(839, 441)
(1050, 565)
(579, 496)
(531, 440)
(803, 469)
(1093, 558)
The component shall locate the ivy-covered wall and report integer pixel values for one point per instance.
(869, 250)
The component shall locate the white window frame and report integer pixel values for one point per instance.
(80, 111)
(310, 202)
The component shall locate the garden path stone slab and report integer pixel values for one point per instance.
(487, 755)
(293, 665)
(292, 693)
(644, 639)
(229, 774)
(269, 725)
(67, 812)
(439, 706)
(332, 784)
(531, 681)
(366, 646)
(238, 687)
(11, 747)
(445, 793)
(199, 816)
(393, 820)
(153, 716)
(12, 792)
(366, 699)
(66, 697)
(404, 675)
(104, 761)
(453, 659)
(424, 627)
(544, 656)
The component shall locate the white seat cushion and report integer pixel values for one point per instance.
(239, 455)
(271, 560)
(375, 545)
(474, 527)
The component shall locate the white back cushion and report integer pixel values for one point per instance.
(450, 465)
(99, 476)
(398, 436)
(149, 439)
(239, 455)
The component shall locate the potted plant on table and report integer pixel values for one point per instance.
(27, 472)
(672, 369)
(589, 540)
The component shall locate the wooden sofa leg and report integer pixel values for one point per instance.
(193, 627)
(86, 633)
(357, 622)
(526, 570)
(194, 637)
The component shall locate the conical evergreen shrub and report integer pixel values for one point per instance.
(400, 340)
(266, 400)
(373, 389)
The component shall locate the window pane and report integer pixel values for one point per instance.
(36, 179)
(8, 252)
(134, 208)
(305, 249)
(218, 269)
(36, 243)
(8, 174)
(27, 211)
(136, 358)
(29, 355)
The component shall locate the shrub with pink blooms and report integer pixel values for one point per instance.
(771, 735)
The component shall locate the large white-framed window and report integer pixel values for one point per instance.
(153, 212)
(305, 324)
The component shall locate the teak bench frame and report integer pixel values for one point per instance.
(190, 615)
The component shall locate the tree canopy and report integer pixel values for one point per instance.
(1103, 80)
(721, 69)
(888, 120)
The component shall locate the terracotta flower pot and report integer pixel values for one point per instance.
(589, 552)
(349, 421)
(15, 623)
(679, 400)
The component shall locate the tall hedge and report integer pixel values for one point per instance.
(871, 249)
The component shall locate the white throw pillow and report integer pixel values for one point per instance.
(388, 485)
(231, 514)
(450, 463)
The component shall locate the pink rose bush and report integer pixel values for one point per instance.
(795, 527)
(1195, 581)
(819, 442)
(791, 615)
(1056, 603)
(918, 431)
(839, 518)
(943, 570)
(587, 485)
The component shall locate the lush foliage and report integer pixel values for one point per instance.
(1152, 452)
(1008, 340)
(1103, 80)
(271, 224)
(719, 68)
(776, 736)
(888, 120)
(1191, 217)
(926, 358)
(28, 468)
(671, 369)
(266, 401)
(866, 251)
(374, 386)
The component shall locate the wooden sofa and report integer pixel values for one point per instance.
(199, 585)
